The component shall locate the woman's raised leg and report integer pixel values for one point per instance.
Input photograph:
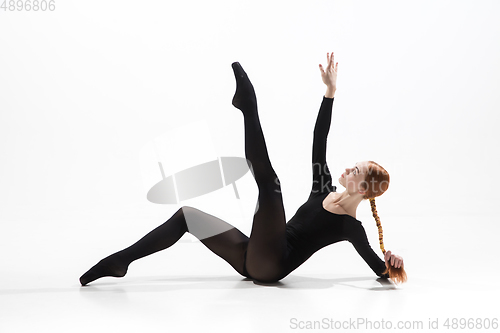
(219, 236)
(267, 245)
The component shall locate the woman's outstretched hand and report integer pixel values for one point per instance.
(329, 75)
(393, 260)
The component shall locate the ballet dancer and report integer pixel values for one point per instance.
(275, 247)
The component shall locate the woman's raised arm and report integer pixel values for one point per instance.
(322, 180)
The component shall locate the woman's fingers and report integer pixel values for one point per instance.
(329, 59)
(387, 255)
(400, 262)
(393, 260)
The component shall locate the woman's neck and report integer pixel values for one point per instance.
(348, 202)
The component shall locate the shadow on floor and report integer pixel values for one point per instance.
(155, 284)
(235, 282)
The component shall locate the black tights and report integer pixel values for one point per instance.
(266, 248)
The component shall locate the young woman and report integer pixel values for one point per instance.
(276, 247)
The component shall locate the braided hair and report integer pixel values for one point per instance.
(378, 178)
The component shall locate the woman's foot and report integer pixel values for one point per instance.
(109, 266)
(244, 97)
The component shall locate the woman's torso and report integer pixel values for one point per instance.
(313, 227)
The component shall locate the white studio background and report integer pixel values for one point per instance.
(85, 88)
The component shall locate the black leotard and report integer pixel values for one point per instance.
(313, 227)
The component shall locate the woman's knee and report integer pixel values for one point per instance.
(270, 190)
(203, 225)
(271, 181)
(185, 209)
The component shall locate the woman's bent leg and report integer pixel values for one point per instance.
(267, 245)
(220, 237)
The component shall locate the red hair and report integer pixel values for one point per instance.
(376, 183)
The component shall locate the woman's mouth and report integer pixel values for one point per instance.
(342, 175)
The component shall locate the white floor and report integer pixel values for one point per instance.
(451, 263)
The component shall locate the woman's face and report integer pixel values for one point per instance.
(353, 178)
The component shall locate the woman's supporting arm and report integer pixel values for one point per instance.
(360, 242)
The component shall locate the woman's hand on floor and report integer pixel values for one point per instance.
(393, 260)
